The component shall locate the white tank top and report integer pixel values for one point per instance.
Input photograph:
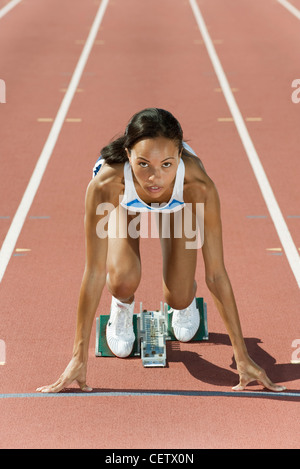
(131, 200)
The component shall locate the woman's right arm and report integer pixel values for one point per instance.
(91, 288)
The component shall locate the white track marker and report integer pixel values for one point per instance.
(290, 8)
(266, 190)
(33, 185)
(8, 7)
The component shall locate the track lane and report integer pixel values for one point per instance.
(264, 92)
(39, 346)
(11, 238)
(250, 50)
(290, 7)
(32, 32)
(284, 235)
(6, 7)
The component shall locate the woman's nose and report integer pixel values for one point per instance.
(155, 175)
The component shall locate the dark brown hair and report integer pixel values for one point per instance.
(149, 123)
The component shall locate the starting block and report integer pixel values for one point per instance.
(152, 329)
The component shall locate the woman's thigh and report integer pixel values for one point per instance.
(123, 257)
(179, 260)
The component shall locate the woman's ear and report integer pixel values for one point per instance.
(128, 154)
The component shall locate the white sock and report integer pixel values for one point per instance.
(116, 302)
(193, 305)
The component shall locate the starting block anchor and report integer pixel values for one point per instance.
(152, 330)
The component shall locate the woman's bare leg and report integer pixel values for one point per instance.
(123, 258)
(179, 263)
(123, 278)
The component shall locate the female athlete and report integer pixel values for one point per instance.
(151, 168)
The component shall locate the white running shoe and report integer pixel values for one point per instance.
(119, 330)
(186, 322)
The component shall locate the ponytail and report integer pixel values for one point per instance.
(115, 151)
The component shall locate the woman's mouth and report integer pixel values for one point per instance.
(154, 189)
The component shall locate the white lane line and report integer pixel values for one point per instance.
(8, 7)
(290, 8)
(18, 221)
(265, 187)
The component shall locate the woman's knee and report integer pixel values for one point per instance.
(123, 284)
(180, 298)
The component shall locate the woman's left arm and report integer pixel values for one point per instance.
(218, 283)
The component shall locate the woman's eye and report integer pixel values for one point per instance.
(146, 165)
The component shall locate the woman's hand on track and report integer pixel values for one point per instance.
(75, 371)
(250, 372)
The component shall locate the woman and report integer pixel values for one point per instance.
(151, 168)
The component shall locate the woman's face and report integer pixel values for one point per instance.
(154, 162)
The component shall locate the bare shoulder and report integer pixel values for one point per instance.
(198, 186)
(106, 186)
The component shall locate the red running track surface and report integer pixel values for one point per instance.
(148, 54)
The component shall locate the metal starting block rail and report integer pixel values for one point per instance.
(152, 330)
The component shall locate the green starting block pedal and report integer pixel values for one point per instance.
(152, 329)
(102, 349)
